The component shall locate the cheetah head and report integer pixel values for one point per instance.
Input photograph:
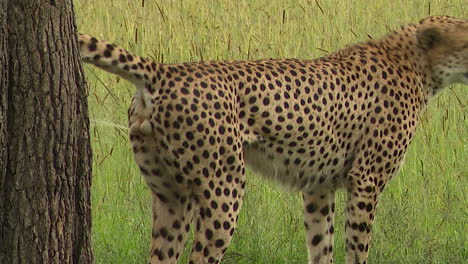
(444, 40)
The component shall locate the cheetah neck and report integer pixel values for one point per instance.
(403, 52)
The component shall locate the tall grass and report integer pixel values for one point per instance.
(423, 214)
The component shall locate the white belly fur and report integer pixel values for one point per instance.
(265, 161)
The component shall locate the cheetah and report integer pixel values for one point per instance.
(343, 121)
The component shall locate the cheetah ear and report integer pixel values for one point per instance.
(429, 38)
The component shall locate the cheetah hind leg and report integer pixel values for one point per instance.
(319, 210)
(171, 224)
(216, 221)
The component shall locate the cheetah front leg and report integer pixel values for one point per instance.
(360, 212)
(319, 210)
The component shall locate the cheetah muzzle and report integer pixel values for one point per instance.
(315, 126)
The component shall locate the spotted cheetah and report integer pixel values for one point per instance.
(340, 121)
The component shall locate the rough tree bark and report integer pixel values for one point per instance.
(45, 166)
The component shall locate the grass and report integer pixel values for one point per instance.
(422, 217)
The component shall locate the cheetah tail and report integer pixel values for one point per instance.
(117, 60)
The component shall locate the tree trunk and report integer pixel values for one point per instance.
(45, 166)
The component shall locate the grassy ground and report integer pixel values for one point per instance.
(422, 217)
